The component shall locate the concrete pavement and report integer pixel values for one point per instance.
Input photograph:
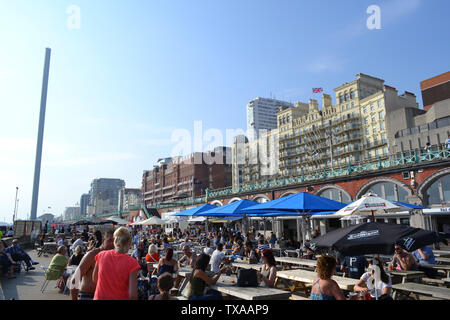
(27, 285)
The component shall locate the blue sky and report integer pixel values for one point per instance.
(137, 70)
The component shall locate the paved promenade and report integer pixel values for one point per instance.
(27, 285)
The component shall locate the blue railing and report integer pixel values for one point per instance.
(405, 159)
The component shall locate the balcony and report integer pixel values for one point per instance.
(375, 144)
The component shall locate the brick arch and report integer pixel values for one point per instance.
(235, 199)
(288, 193)
(365, 188)
(260, 196)
(422, 189)
(217, 203)
(332, 186)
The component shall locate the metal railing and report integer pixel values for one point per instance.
(409, 158)
(405, 159)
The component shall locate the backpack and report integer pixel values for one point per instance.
(153, 286)
(247, 278)
(143, 289)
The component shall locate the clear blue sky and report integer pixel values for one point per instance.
(136, 70)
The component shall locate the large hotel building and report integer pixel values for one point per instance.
(369, 121)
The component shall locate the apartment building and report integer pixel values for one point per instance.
(262, 115)
(187, 177)
(353, 129)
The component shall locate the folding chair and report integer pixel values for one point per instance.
(46, 281)
(20, 265)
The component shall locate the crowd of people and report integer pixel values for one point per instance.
(113, 265)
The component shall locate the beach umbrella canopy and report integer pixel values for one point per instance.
(107, 221)
(370, 204)
(227, 219)
(303, 202)
(408, 205)
(194, 211)
(118, 220)
(374, 238)
(83, 222)
(152, 221)
(197, 219)
(277, 213)
(231, 209)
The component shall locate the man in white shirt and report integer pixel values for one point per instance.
(78, 242)
(208, 250)
(217, 258)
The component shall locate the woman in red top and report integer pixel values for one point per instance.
(115, 271)
(152, 257)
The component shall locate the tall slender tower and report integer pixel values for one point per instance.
(37, 166)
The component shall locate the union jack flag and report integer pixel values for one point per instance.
(317, 90)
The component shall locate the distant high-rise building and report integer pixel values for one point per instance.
(262, 115)
(71, 213)
(104, 195)
(84, 202)
(129, 198)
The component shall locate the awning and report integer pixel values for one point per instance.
(226, 219)
(437, 211)
(197, 219)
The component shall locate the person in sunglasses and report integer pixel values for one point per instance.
(403, 260)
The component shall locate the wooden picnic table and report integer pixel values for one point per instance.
(306, 278)
(442, 267)
(227, 285)
(446, 281)
(441, 253)
(48, 247)
(243, 265)
(407, 275)
(420, 289)
(442, 260)
(290, 252)
(296, 261)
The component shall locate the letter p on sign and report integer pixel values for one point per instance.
(374, 21)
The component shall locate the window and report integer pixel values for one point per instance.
(382, 125)
(353, 104)
(380, 115)
(364, 110)
(366, 120)
(372, 107)
(439, 192)
(367, 131)
(374, 129)
(379, 103)
(390, 191)
(373, 118)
